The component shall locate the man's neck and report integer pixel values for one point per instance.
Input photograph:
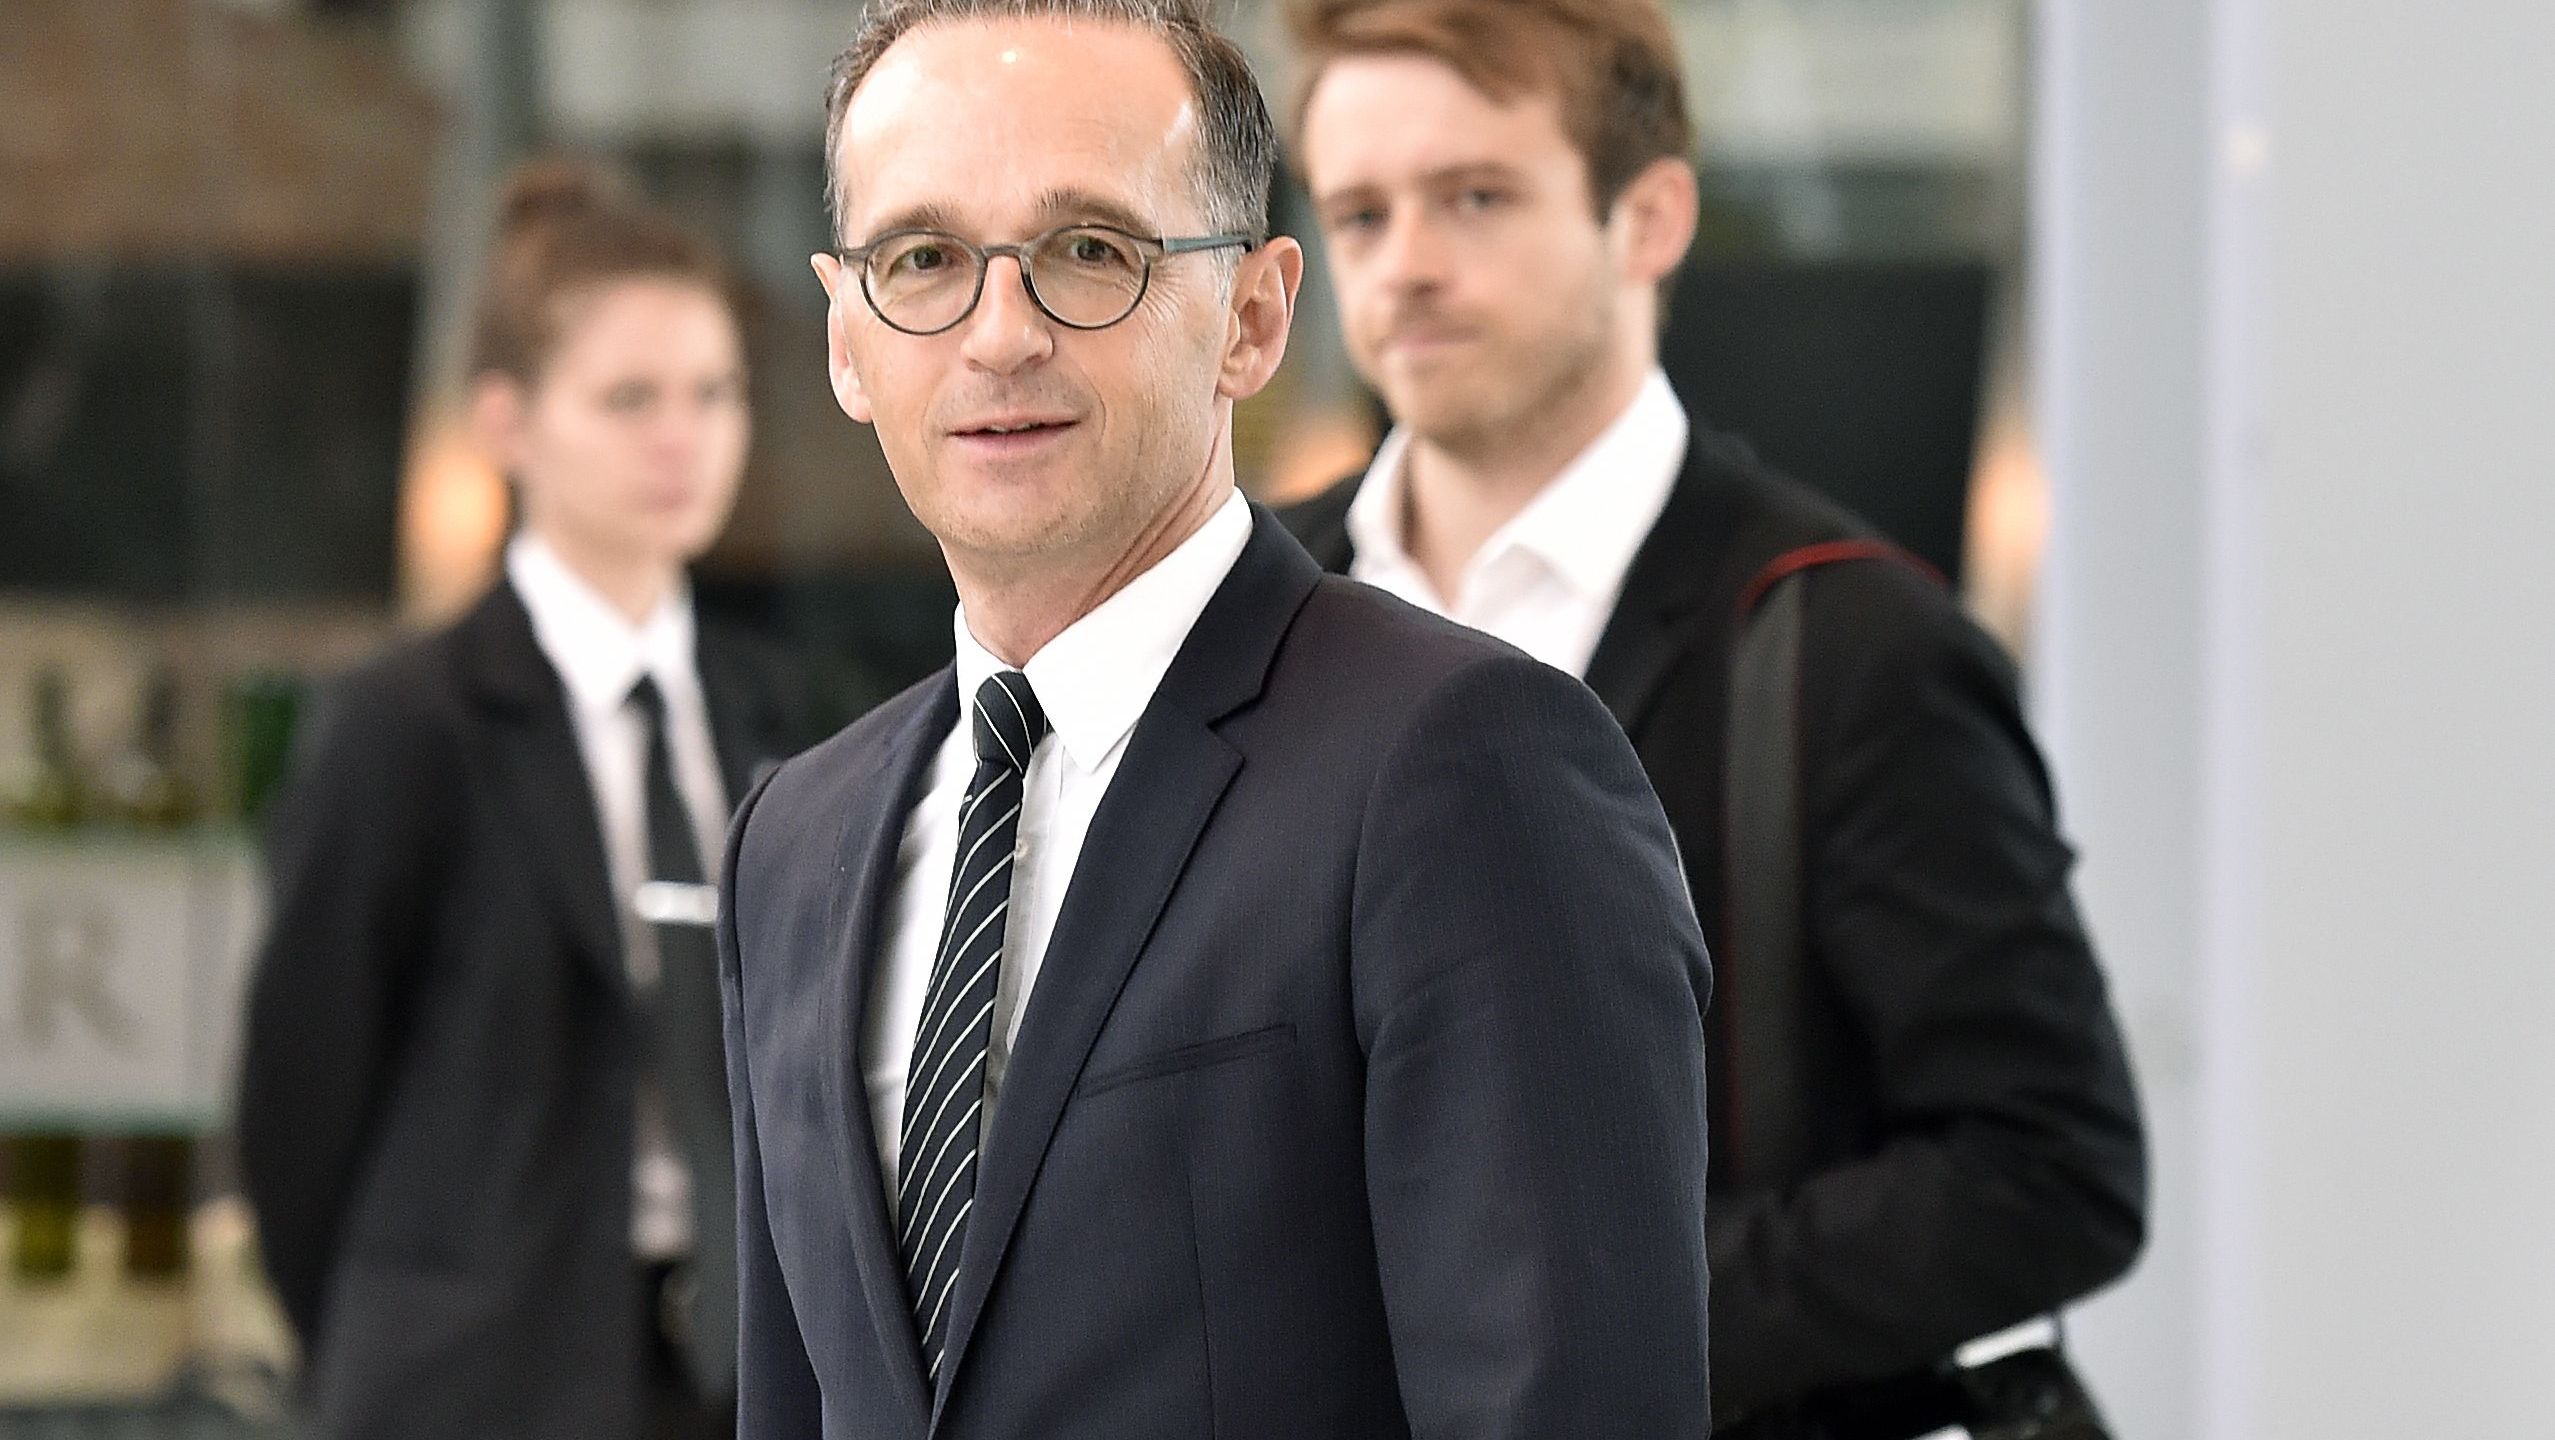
(1013, 611)
(1458, 491)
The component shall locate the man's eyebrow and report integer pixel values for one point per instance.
(1469, 171)
(930, 215)
(1063, 205)
(1473, 170)
(1068, 205)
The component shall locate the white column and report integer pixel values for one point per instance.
(2298, 668)
(2117, 259)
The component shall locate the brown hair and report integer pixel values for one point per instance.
(1237, 159)
(1611, 64)
(564, 229)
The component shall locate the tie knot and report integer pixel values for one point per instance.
(648, 700)
(1009, 723)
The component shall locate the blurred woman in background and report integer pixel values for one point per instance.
(484, 1123)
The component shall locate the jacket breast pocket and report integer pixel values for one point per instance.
(1186, 1059)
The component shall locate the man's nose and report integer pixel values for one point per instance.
(1412, 255)
(1007, 330)
(678, 428)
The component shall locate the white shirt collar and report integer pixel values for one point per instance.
(598, 653)
(1095, 679)
(1585, 525)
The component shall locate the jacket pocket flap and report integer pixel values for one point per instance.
(1189, 1057)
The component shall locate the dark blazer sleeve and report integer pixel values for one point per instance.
(1530, 980)
(2007, 1174)
(352, 867)
(776, 1392)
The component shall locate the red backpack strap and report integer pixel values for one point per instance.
(1830, 552)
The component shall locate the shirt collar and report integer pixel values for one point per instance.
(1585, 524)
(598, 653)
(1095, 678)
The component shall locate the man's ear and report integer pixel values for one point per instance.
(842, 295)
(1654, 219)
(497, 408)
(1265, 284)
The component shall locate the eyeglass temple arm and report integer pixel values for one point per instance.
(1184, 244)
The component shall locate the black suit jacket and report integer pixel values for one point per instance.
(1978, 1156)
(442, 1049)
(1359, 1095)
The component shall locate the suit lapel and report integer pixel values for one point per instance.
(1175, 771)
(542, 774)
(883, 796)
(1682, 570)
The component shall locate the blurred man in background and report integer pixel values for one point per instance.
(1924, 1125)
(484, 1122)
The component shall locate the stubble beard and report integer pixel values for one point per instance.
(1520, 390)
(1009, 546)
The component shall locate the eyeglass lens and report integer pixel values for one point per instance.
(1086, 276)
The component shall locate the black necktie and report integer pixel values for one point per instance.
(945, 1084)
(689, 1062)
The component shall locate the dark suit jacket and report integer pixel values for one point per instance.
(1359, 1095)
(1978, 1152)
(438, 1081)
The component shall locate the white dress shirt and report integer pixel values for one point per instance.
(1094, 681)
(1546, 581)
(599, 655)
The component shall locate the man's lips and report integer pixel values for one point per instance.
(1012, 424)
(1425, 339)
(1011, 434)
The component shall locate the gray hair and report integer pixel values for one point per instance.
(1237, 159)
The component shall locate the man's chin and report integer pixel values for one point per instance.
(696, 537)
(1006, 539)
(1443, 414)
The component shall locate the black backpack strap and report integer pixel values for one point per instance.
(2031, 1395)
(1763, 978)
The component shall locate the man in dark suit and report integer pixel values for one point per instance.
(1952, 1144)
(483, 1117)
(1232, 1002)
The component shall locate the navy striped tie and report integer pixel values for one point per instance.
(945, 1084)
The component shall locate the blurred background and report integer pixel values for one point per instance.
(2207, 343)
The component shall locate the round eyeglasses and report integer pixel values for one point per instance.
(1086, 277)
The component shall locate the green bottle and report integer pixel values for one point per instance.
(51, 794)
(158, 1198)
(151, 790)
(259, 708)
(51, 798)
(154, 796)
